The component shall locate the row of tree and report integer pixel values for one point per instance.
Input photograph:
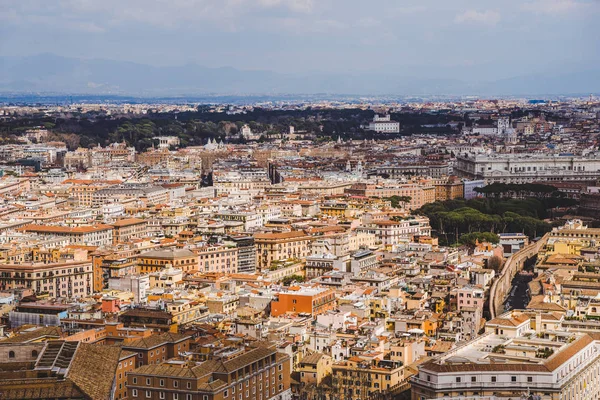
(454, 218)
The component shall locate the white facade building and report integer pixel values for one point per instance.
(384, 124)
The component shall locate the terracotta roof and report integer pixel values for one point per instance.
(515, 320)
(564, 355)
(283, 235)
(48, 332)
(128, 221)
(312, 359)
(153, 341)
(93, 369)
(65, 229)
(37, 389)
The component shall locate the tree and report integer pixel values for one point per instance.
(495, 263)
(399, 201)
(292, 278)
(471, 238)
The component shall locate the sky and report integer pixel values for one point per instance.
(483, 39)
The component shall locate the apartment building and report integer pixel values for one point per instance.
(89, 235)
(420, 194)
(156, 260)
(59, 280)
(149, 195)
(157, 348)
(448, 189)
(392, 232)
(246, 252)
(365, 378)
(309, 300)
(280, 246)
(259, 373)
(127, 229)
(217, 258)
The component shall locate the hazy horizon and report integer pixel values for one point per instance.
(463, 46)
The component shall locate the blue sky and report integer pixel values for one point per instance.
(430, 38)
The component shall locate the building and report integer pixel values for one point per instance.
(313, 368)
(419, 194)
(150, 195)
(252, 373)
(366, 378)
(156, 260)
(384, 124)
(280, 246)
(508, 362)
(166, 142)
(157, 348)
(217, 258)
(246, 252)
(449, 189)
(308, 300)
(528, 168)
(125, 230)
(512, 242)
(59, 369)
(62, 279)
(470, 186)
(89, 235)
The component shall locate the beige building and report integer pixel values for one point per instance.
(313, 368)
(220, 259)
(125, 230)
(280, 246)
(361, 379)
(72, 279)
(89, 235)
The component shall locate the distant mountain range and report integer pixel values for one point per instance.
(48, 73)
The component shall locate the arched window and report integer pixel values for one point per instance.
(34, 353)
(11, 354)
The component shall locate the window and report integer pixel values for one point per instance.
(148, 381)
(34, 353)
(513, 378)
(175, 396)
(161, 395)
(134, 381)
(11, 354)
(148, 394)
(175, 384)
(134, 392)
(473, 379)
(226, 393)
(530, 379)
(458, 379)
(188, 397)
(189, 385)
(161, 382)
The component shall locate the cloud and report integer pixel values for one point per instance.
(556, 7)
(301, 6)
(488, 17)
